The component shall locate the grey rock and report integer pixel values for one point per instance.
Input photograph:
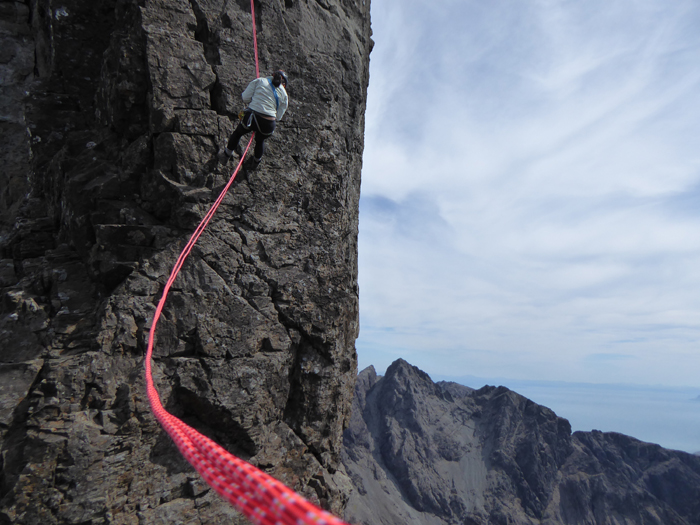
(111, 119)
(16, 77)
(427, 453)
(15, 383)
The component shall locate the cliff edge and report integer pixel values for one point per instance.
(113, 111)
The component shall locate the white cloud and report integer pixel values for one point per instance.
(531, 189)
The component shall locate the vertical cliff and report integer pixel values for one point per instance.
(111, 116)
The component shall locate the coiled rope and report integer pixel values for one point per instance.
(259, 496)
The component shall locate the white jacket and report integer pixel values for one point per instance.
(259, 97)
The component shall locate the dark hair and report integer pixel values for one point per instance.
(279, 77)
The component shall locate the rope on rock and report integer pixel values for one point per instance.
(259, 496)
(255, 39)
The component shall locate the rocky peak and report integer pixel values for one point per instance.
(115, 112)
(421, 452)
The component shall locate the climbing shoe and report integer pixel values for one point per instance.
(222, 156)
(251, 163)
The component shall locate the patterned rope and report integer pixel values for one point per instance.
(259, 496)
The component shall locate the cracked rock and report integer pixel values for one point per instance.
(115, 111)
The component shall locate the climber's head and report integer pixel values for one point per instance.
(279, 77)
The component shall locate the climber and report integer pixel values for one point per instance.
(267, 101)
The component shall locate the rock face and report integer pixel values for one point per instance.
(425, 453)
(112, 112)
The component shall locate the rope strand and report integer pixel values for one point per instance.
(259, 496)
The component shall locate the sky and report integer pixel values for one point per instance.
(531, 191)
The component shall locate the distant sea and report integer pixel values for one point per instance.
(668, 416)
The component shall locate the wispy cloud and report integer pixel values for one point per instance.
(530, 189)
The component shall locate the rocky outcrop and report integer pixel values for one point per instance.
(440, 453)
(112, 113)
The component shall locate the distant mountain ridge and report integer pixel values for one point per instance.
(430, 453)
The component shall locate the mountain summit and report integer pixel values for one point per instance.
(430, 453)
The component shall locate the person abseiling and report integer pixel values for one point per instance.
(267, 101)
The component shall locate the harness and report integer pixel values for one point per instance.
(251, 116)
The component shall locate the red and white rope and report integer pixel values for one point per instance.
(259, 496)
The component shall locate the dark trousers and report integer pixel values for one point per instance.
(262, 127)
